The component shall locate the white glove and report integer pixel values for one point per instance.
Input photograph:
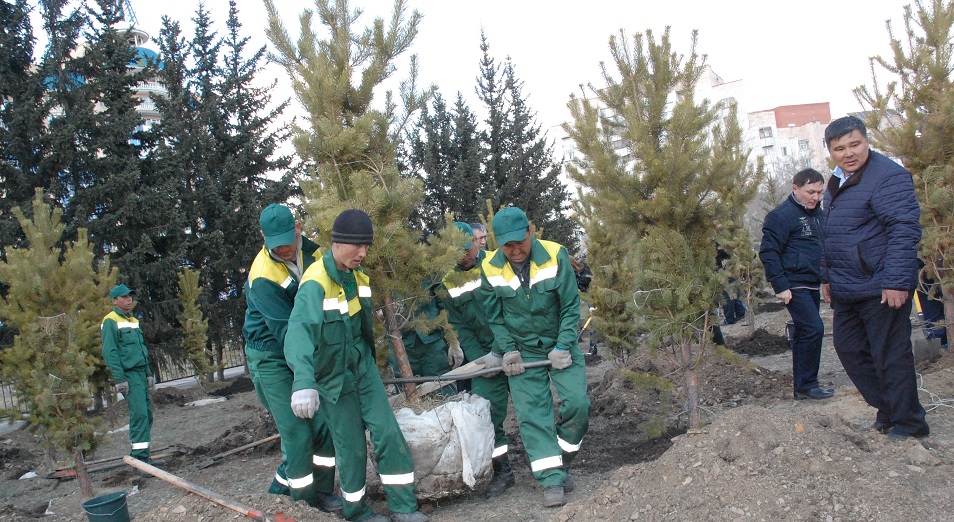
(151, 382)
(304, 403)
(455, 356)
(491, 360)
(123, 387)
(560, 359)
(513, 363)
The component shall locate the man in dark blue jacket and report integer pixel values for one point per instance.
(791, 253)
(869, 271)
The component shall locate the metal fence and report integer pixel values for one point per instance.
(232, 357)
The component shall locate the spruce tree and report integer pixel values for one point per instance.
(351, 148)
(56, 299)
(651, 219)
(911, 118)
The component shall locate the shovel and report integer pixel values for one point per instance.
(206, 463)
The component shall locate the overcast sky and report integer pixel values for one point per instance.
(785, 53)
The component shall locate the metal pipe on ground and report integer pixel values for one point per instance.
(206, 493)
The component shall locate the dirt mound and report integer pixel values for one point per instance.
(760, 345)
(757, 464)
(240, 385)
(257, 427)
(15, 461)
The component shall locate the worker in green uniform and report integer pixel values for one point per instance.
(429, 353)
(126, 356)
(529, 293)
(330, 347)
(307, 471)
(465, 314)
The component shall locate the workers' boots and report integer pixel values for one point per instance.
(553, 496)
(503, 477)
(416, 516)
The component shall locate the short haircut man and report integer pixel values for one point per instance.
(869, 271)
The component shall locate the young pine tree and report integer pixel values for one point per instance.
(912, 120)
(194, 324)
(56, 299)
(653, 209)
(350, 148)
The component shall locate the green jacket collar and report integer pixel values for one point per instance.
(120, 312)
(538, 254)
(332, 269)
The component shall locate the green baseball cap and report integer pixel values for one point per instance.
(119, 291)
(510, 224)
(469, 232)
(278, 226)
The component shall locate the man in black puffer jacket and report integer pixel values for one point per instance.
(869, 271)
(791, 253)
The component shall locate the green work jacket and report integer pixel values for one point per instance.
(464, 310)
(539, 318)
(124, 347)
(270, 294)
(320, 347)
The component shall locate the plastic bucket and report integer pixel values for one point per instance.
(107, 508)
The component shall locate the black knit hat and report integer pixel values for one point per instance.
(352, 227)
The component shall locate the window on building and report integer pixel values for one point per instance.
(784, 151)
(802, 144)
(765, 132)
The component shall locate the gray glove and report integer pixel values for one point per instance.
(123, 387)
(513, 363)
(151, 381)
(455, 356)
(490, 361)
(304, 403)
(559, 358)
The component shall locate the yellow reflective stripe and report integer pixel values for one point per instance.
(498, 451)
(288, 280)
(304, 482)
(543, 274)
(397, 480)
(547, 463)
(140, 445)
(364, 291)
(280, 479)
(354, 306)
(567, 447)
(463, 289)
(500, 281)
(325, 462)
(352, 497)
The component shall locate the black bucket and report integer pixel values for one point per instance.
(110, 507)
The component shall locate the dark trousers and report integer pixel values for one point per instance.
(873, 342)
(806, 339)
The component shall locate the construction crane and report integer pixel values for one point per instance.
(129, 14)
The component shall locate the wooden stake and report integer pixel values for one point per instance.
(206, 493)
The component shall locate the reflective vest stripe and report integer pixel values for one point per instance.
(567, 447)
(127, 325)
(280, 479)
(288, 280)
(397, 480)
(364, 291)
(498, 451)
(325, 462)
(352, 497)
(543, 274)
(546, 463)
(500, 281)
(304, 482)
(463, 289)
(332, 303)
(140, 445)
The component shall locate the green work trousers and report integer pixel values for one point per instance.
(551, 445)
(363, 405)
(495, 389)
(308, 466)
(140, 413)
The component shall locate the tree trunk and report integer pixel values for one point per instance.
(692, 386)
(394, 335)
(82, 475)
(750, 313)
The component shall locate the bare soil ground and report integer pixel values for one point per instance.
(762, 455)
